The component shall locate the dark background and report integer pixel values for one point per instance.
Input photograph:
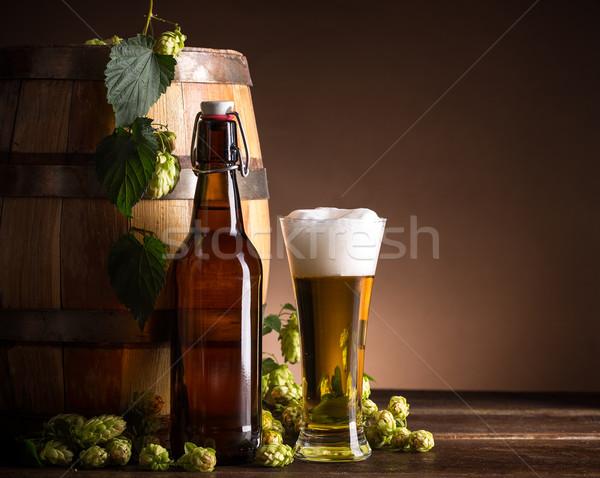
(504, 166)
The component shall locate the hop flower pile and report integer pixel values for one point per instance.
(389, 426)
(96, 442)
(145, 424)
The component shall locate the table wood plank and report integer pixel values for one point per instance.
(536, 435)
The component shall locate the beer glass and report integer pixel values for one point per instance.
(332, 255)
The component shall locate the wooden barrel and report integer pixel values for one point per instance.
(66, 343)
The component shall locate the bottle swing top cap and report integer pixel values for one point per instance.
(216, 108)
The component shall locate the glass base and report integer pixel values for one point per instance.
(332, 445)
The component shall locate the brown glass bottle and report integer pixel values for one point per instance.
(216, 341)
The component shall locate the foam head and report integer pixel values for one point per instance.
(332, 242)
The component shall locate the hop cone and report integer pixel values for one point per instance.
(398, 407)
(170, 43)
(99, 430)
(400, 438)
(142, 441)
(421, 440)
(369, 408)
(154, 458)
(93, 457)
(114, 40)
(274, 455)
(165, 176)
(374, 436)
(119, 450)
(271, 436)
(386, 423)
(197, 458)
(292, 416)
(281, 376)
(95, 41)
(290, 340)
(165, 139)
(146, 403)
(366, 388)
(56, 452)
(63, 426)
(155, 425)
(264, 385)
(277, 426)
(285, 394)
(267, 419)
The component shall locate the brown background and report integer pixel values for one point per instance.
(504, 166)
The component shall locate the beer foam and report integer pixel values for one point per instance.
(332, 242)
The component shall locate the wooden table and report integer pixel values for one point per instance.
(476, 434)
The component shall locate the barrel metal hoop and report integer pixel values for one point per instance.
(89, 326)
(74, 181)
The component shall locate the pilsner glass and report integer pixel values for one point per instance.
(332, 255)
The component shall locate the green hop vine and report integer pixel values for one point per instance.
(136, 160)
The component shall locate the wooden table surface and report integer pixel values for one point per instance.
(476, 434)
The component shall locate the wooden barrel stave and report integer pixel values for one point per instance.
(58, 245)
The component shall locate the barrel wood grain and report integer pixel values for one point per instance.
(36, 378)
(170, 220)
(93, 379)
(91, 117)
(146, 369)
(56, 259)
(193, 95)
(258, 228)
(30, 253)
(6, 391)
(243, 103)
(9, 96)
(42, 122)
(169, 111)
(88, 229)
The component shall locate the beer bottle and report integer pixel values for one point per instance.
(216, 340)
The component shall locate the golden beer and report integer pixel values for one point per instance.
(332, 272)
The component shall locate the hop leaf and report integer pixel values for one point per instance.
(137, 272)
(125, 163)
(135, 77)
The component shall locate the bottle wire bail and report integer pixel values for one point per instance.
(244, 166)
